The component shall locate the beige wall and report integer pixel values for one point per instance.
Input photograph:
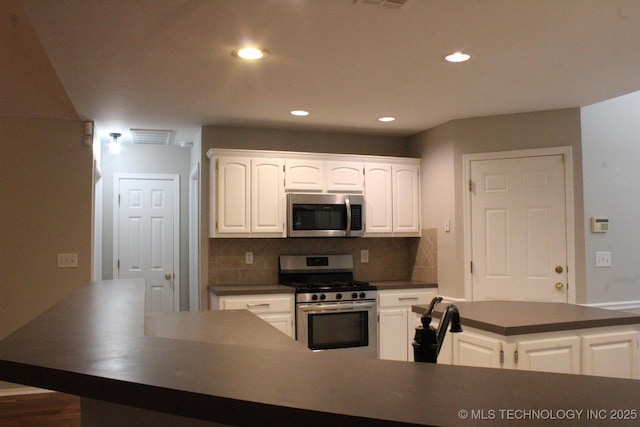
(441, 150)
(45, 209)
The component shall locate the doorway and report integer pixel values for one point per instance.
(518, 211)
(146, 236)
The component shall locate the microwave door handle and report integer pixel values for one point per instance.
(347, 204)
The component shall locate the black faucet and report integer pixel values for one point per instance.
(428, 341)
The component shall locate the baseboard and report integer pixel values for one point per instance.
(17, 391)
(620, 305)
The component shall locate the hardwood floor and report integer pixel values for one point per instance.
(40, 410)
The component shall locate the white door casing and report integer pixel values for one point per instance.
(194, 238)
(146, 235)
(519, 225)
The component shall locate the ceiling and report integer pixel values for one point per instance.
(167, 64)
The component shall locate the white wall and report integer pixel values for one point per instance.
(611, 169)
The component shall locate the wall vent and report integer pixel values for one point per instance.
(385, 4)
(150, 136)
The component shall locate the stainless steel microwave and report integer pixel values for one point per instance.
(325, 215)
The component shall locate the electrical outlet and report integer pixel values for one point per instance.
(67, 260)
(603, 259)
(364, 256)
(248, 257)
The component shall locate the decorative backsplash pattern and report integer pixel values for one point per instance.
(389, 258)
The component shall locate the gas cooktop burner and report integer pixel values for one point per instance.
(348, 285)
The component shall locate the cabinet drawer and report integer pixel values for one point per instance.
(258, 304)
(405, 298)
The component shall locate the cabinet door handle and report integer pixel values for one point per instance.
(264, 304)
(407, 298)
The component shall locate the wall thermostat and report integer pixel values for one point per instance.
(599, 224)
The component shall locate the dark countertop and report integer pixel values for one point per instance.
(525, 317)
(402, 284)
(92, 344)
(229, 290)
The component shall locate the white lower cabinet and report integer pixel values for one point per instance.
(397, 323)
(277, 309)
(611, 355)
(471, 349)
(560, 355)
(609, 351)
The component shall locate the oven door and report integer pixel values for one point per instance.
(348, 327)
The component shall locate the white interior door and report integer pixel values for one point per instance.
(519, 230)
(146, 240)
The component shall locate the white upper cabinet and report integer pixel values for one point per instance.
(247, 197)
(248, 190)
(304, 175)
(233, 195)
(344, 177)
(267, 196)
(392, 199)
(406, 198)
(378, 198)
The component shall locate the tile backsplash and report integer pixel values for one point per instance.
(408, 258)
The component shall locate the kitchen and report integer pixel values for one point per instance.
(440, 148)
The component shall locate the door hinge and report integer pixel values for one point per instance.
(515, 357)
(217, 161)
(501, 357)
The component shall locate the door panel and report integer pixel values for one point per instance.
(146, 236)
(518, 224)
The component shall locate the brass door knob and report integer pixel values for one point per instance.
(559, 269)
(168, 276)
(559, 286)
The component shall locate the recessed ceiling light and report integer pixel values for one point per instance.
(458, 57)
(249, 53)
(299, 113)
(386, 119)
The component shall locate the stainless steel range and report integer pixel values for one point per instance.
(333, 311)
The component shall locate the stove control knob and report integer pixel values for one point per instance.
(362, 295)
(314, 297)
(323, 297)
(338, 296)
(354, 295)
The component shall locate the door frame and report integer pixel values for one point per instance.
(565, 151)
(176, 224)
(194, 238)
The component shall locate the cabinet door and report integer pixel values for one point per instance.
(610, 354)
(378, 198)
(406, 199)
(392, 335)
(345, 177)
(284, 322)
(471, 349)
(560, 355)
(304, 175)
(267, 196)
(234, 179)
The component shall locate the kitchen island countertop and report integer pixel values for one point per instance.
(92, 344)
(527, 317)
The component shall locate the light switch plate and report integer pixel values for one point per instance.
(603, 259)
(248, 257)
(364, 256)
